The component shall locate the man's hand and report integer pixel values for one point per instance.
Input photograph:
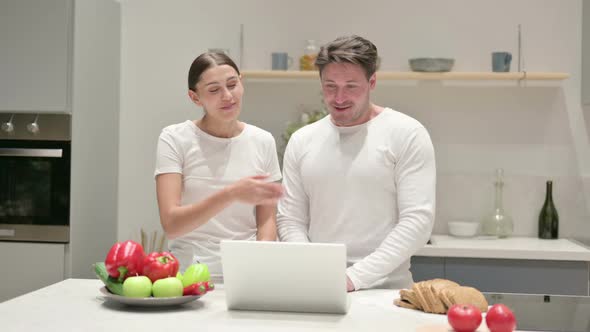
(349, 285)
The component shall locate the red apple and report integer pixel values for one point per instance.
(464, 317)
(500, 319)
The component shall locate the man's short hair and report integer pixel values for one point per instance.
(349, 49)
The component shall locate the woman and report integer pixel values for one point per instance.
(215, 176)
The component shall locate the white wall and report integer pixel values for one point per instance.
(586, 53)
(586, 61)
(95, 135)
(535, 132)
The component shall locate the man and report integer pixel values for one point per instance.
(364, 176)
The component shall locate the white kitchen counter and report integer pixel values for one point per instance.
(77, 305)
(509, 248)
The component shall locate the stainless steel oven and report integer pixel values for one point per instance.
(35, 160)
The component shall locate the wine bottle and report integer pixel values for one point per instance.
(548, 218)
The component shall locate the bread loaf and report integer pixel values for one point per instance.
(438, 295)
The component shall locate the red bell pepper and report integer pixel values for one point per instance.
(160, 265)
(195, 289)
(125, 259)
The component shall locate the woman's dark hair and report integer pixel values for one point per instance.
(351, 49)
(204, 62)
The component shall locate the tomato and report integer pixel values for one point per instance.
(464, 317)
(500, 319)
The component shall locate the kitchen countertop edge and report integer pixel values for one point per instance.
(433, 250)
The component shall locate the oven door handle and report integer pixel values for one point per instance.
(44, 153)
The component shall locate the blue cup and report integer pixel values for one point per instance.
(501, 61)
(281, 61)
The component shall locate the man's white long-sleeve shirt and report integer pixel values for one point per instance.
(371, 187)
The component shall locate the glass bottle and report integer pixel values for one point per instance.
(548, 218)
(498, 224)
(310, 53)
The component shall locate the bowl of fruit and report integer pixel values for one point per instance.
(132, 277)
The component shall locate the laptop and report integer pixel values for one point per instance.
(285, 276)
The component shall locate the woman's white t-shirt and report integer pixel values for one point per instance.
(208, 164)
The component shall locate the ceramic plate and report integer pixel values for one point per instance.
(149, 301)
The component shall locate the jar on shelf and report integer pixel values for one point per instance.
(310, 53)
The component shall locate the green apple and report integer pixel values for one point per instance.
(195, 273)
(138, 286)
(179, 276)
(167, 287)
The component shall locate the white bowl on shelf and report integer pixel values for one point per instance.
(463, 228)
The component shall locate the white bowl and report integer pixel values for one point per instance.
(463, 228)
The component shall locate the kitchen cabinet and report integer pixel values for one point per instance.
(507, 275)
(520, 276)
(29, 266)
(426, 268)
(35, 57)
(57, 56)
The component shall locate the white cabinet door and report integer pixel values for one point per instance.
(29, 266)
(35, 38)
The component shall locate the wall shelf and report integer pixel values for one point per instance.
(388, 75)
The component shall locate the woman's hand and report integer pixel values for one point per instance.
(254, 190)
